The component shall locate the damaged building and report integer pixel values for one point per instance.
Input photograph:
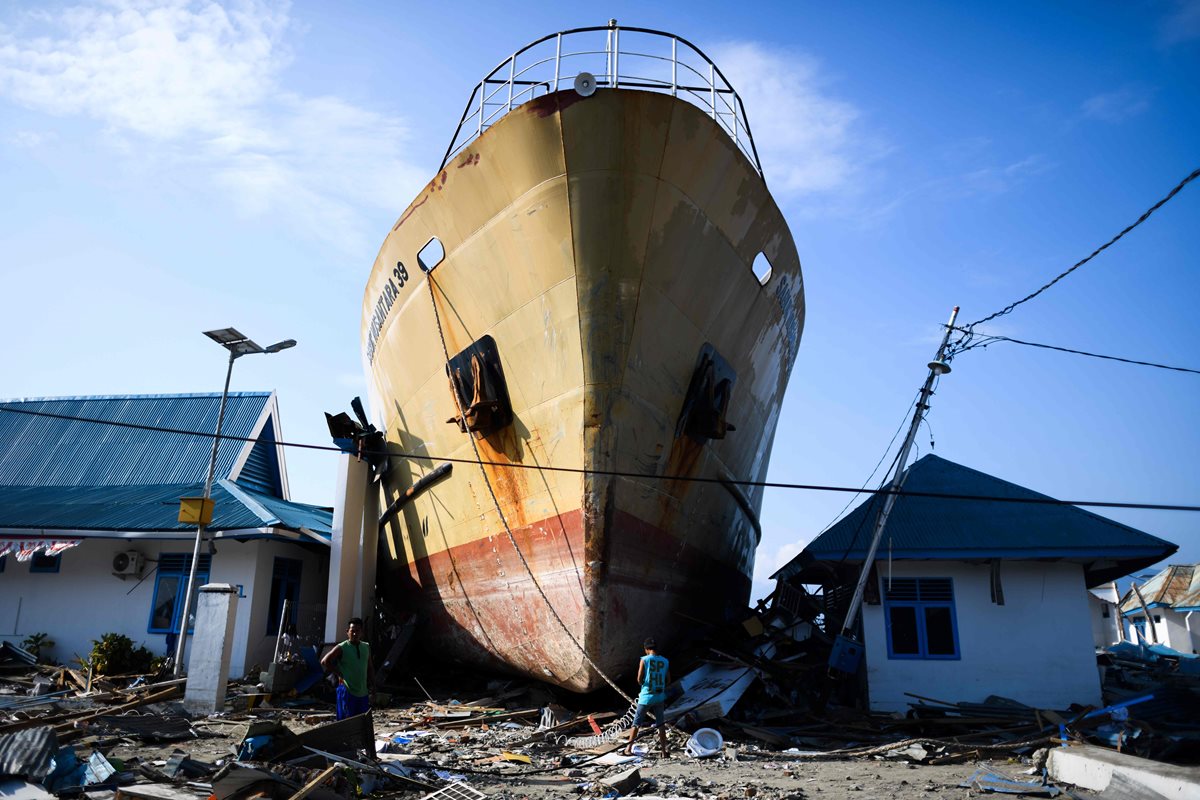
(974, 597)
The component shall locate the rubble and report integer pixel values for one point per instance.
(754, 714)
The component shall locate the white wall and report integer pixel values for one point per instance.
(1036, 649)
(1104, 629)
(1172, 631)
(259, 647)
(84, 600)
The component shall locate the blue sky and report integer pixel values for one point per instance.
(174, 167)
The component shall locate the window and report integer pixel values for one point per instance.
(1157, 618)
(1104, 612)
(285, 585)
(169, 585)
(3, 561)
(919, 614)
(44, 563)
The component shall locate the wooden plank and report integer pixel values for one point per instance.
(312, 785)
(488, 718)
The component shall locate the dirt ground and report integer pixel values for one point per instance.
(474, 754)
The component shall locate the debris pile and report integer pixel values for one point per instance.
(756, 700)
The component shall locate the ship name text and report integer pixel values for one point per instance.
(383, 306)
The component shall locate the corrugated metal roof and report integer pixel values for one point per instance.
(1177, 586)
(48, 451)
(150, 509)
(939, 528)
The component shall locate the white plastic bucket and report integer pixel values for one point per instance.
(705, 743)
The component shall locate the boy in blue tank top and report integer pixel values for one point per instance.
(653, 675)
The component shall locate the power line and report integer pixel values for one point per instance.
(991, 339)
(1146, 215)
(623, 474)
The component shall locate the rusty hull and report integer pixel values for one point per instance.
(601, 242)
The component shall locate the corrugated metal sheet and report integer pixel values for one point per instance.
(1177, 586)
(261, 470)
(928, 527)
(46, 451)
(146, 509)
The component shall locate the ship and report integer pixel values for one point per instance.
(577, 339)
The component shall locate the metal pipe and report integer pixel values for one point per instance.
(897, 476)
(557, 59)
(279, 633)
(674, 67)
(181, 644)
(616, 57)
(412, 492)
(712, 87)
(482, 99)
(512, 76)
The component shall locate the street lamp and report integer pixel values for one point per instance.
(238, 345)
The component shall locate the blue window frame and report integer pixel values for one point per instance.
(920, 619)
(170, 583)
(285, 585)
(44, 563)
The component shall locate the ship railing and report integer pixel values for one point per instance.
(618, 58)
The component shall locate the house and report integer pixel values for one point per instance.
(973, 597)
(90, 541)
(1171, 597)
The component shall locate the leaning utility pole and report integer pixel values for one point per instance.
(847, 651)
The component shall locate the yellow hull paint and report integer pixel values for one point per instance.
(601, 242)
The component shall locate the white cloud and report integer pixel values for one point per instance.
(195, 85)
(807, 138)
(1000, 178)
(28, 140)
(765, 567)
(1116, 106)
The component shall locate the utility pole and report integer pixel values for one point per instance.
(846, 650)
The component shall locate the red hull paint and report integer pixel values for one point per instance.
(481, 600)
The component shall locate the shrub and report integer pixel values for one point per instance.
(34, 643)
(114, 654)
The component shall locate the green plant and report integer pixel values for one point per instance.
(114, 654)
(36, 642)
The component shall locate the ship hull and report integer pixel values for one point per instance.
(602, 243)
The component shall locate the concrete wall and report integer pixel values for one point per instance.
(1171, 628)
(1104, 628)
(1037, 648)
(84, 600)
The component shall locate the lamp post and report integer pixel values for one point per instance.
(238, 345)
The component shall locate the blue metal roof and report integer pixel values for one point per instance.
(52, 451)
(151, 509)
(951, 529)
(61, 472)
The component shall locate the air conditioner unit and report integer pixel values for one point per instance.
(128, 562)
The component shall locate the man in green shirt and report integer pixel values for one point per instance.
(350, 663)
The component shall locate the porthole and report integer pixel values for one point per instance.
(762, 268)
(431, 254)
